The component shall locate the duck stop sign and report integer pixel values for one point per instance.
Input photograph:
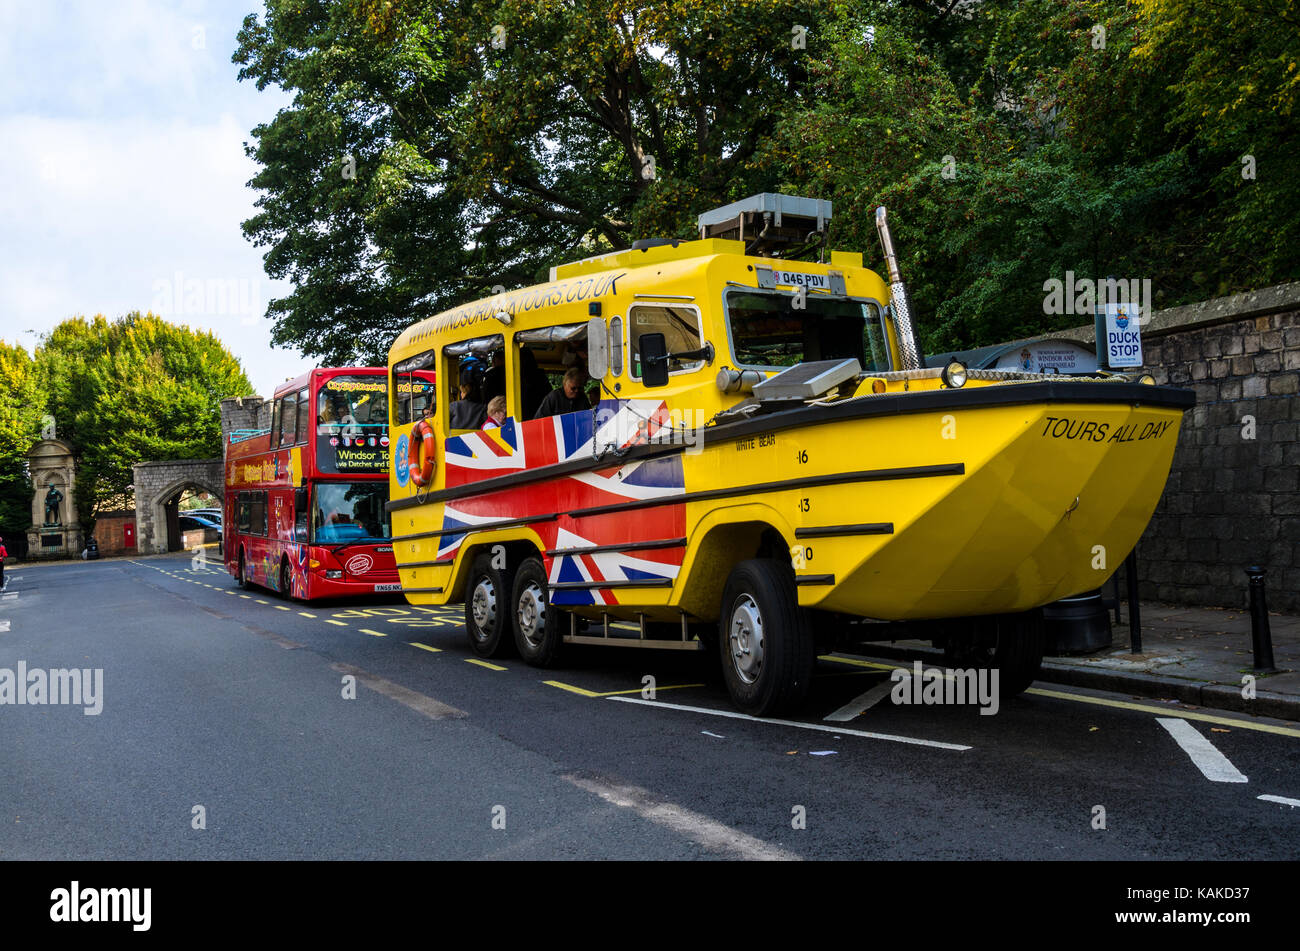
(1119, 336)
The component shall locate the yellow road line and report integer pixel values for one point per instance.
(483, 663)
(423, 647)
(859, 663)
(259, 601)
(339, 623)
(305, 614)
(572, 689)
(280, 607)
(366, 630)
(1119, 704)
(612, 693)
(1166, 711)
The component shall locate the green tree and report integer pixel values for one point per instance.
(22, 407)
(132, 389)
(421, 163)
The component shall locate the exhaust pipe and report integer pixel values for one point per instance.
(899, 301)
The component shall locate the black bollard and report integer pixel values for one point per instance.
(1261, 637)
(1134, 613)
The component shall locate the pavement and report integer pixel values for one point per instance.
(1201, 657)
(1197, 656)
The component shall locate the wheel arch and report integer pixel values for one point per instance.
(723, 539)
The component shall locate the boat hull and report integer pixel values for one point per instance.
(907, 506)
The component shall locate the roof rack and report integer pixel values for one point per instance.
(769, 222)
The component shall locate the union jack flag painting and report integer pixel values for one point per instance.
(598, 435)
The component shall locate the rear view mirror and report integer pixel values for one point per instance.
(654, 359)
(597, 348)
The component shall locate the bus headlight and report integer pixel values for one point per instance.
(954, 374)
(1147, 379)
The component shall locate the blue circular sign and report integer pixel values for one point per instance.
(400, 466)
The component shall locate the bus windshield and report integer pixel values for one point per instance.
(352, 404)
(352, 424)
(348, 512)
(767, 330)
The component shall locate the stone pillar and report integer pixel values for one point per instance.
(240, 412)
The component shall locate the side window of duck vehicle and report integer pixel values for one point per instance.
(680, 325)
(414, 388)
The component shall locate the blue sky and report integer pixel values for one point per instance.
(121, 129)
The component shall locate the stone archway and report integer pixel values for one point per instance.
(157, 482)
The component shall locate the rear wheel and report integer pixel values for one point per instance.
(487, 615)
(764, 639)
(1010, 643)
(536, 622)
(286, 580)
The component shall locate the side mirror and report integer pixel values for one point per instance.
(597, 348)
(654, 359)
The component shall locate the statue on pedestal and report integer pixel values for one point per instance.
(52, 500)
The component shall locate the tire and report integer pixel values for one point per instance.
(1010, 643)
(764, 639)
(286, 580)
(537, 625)
(241, 576)
(487, 614)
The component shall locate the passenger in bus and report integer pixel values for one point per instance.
(567, 398)
(496, 413)
(468, 412)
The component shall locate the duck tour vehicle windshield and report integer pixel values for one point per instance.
(737, 451)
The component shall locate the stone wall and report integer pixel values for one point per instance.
(1233, 497)
(157, 482)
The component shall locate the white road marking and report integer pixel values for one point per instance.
(4, 626)
(9, 597)
(860, 705)
(713, 835)
(1282, 799)
(1213, 764)
(794, 723)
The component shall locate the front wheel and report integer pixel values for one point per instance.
(536, 622)
(764, 639)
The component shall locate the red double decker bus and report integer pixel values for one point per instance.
(304, 506)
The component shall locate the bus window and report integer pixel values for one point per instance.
(415, 389)
(616, 345)
(304, 415)
(289, 420)
(275, 422)
(680, 326)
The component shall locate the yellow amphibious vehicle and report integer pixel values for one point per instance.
(745, 454)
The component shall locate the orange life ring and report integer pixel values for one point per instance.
(421, 468)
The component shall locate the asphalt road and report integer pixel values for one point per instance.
(228, 710)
